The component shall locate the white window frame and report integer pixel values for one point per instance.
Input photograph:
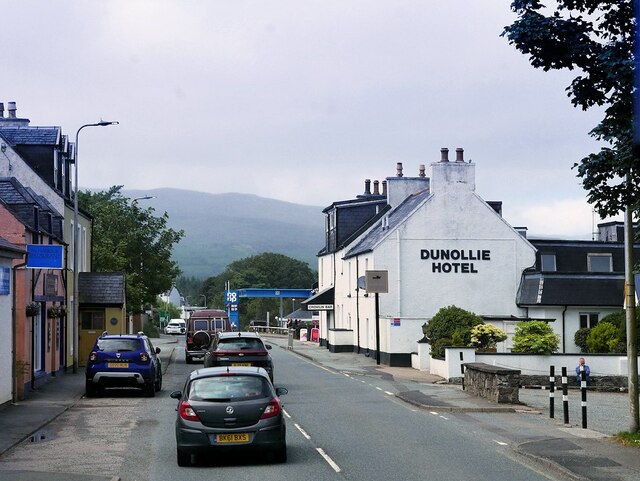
(551, 257)
(594, 255)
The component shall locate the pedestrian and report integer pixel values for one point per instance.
(582, 364)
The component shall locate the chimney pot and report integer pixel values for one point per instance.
(444, 154)
(1, 110)
(384, 188)
(367, 187)
(376, 190)
(459, 155)
(421, 171)
(399, 169)
(12, 110)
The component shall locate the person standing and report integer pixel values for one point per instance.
(582, 364)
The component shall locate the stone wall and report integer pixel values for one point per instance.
(497, 384)
(597, 383)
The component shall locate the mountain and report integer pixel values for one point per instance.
(222, 228)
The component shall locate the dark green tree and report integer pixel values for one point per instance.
(446, 323)
(595, 38)
(132, 240)
(267, 270)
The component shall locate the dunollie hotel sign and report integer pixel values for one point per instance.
(457, 261)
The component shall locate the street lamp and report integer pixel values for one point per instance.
(76, 249)
(205, 299)
(146, 197)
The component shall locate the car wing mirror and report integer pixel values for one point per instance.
(157, 350)
(268, 346)
(281, 391)
(176, 394)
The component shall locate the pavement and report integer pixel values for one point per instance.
(547, 444)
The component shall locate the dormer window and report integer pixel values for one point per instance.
(599, 263)
(548, 262)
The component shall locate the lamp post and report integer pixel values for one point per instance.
(205, 299)
(76, 250)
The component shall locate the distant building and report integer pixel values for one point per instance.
(173, 296)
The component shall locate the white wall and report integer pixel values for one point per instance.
(6, 339)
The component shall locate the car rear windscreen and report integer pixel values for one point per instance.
(223, 388)
(240, 344)
(118, 345)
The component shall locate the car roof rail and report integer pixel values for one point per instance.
(140, 333)
(104, 333)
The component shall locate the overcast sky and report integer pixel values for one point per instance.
(299, 100)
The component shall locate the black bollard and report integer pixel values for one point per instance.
(583, 389)
(462, 368)
(552, 389)
(565, 396)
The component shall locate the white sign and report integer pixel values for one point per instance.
(319, 307)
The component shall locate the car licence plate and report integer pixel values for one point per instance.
(118, 365)
(241, 364)
(230, 438)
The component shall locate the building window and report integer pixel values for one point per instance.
(548, 262)
(599, 263)
(93, 320)
(588, 319)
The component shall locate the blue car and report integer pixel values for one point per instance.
(124, 360)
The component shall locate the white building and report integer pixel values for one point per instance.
(441, 245)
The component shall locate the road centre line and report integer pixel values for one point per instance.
(433, 412)
(326, 457)
(378, 388)
(500, 443)
(302, 431)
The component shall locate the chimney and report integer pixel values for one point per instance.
(444, 154)
(421, 171)
(367, 186)
(459, 155)
(1, 110)
(384, 188)
(399, 169)
(12, 110)
(376, 190)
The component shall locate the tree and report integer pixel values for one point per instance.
(596, 38)
(535, 337)
(132, 240)
(267, 270)
(603, 338)
(445, 323)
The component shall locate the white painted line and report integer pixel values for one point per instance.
(500, 443)
(363, 382)
(378, 388)
(302, 431)
(335, 467)
(445, 418)
(389, 393)
(286, 414)
(346, 374)
(433, 412)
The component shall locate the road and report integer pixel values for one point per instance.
(339, 427)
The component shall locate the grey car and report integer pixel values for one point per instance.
(229, 408)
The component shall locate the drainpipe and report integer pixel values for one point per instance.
(14, 378)
(398, 254)
(564, 347)
(357, 304)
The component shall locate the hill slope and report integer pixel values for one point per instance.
(222, 228)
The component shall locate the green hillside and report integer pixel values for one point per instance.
(222, 228)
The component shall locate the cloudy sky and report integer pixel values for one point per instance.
(299, 100)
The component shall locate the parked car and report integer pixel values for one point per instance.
(201, 327)
(176, 326)
(123, 360)
(229, 408)
(239, 349)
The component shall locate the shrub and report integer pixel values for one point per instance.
(437, 348)
(457, 339)
(619, 319)
(150, 329)
(580, 338)
(535, 337)
(485, 336)
(447, 321)
(603, 338)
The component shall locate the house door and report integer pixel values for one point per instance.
(91, 326)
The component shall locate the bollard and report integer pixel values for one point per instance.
(583, 389)
(462, 368)
(565, 397)
(552, 391)
(290, 340)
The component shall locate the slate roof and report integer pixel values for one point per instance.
(31, 135)
(101, 288)
(5, 245)
(571, 289)
(395, 218)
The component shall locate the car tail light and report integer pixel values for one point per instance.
(190, 340)
(93, 356)
(187, 412)
(144, 357)
(272, 409)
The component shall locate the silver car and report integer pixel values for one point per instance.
(229, 408)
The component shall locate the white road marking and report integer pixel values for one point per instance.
(445, 418)
(286, 414)
(346, 374)
(434, 413)
(302, 431)
(378, 388)
(326, 457)
(500, 443)
(389, 393)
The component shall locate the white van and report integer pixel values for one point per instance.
(176, 326)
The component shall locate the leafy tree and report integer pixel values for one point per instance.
(580, 338)
(132, 240)
(267, 270)
(445, 323)
(594, 37)
(603, 338)
(535, 337)
(190, 288)
(619, 320)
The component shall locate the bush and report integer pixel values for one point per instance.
(535, 337)
(485, 336)
(150, 329)
(580, 338)
(437, 348)
(619, 319)
(603, 338)
(447, 321)
(457, 339)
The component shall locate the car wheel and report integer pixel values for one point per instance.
(158, 384)
(280, 454)
(150, 389)
(188, 359)
(184, 459)
(91, 389)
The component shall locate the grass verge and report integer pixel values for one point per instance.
(628, 439)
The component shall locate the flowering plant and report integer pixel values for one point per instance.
(33, 309)
(485, 336)
(56, 311)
